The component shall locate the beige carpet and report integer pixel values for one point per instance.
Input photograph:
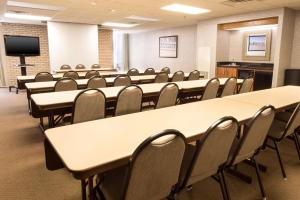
(24, 176)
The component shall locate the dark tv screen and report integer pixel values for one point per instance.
(21, 45)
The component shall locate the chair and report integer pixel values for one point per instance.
(229, 87)
(281, 130)
(167, 96)
(246, 85)
(209, 156)
(211, 89)
(96, 82)
(160, 156)
(71, 74)
(95, 66)
(91, 73)
(133, 72)
(65, 84)
(166, 70)
(248, 146)
(149, 71)
(88, 105)
(129, 100)
(80, 66)
(194, 75)
(65, 67)
(161, 78)
(122, 80)
(178, 76)
(43, 76)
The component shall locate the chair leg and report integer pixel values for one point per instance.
(262, 190)
(296, 140)
(83, 189)
(280, 160)
(225, 185)
(222, 186)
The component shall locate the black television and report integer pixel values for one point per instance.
(21, 46)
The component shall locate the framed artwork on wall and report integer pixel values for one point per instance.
(168, 46)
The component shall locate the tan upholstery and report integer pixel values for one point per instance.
(166, 70)
(91, 73)
(88, 105)
(246, 86)
(129, 100)
(254, 135)
(122, 80)
(95, 66)
(178, 76)
(168, 96)
(161, 78)
(149, 71)
(212, 150)
(64, 67)
(96, 82)
(211, 89)
(65, 84)
(133, 72)
(43, 76)
(71, 74)
(80, 66)
(153, 171)
(229, 87)
(194, 75)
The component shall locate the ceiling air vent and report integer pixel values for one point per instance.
(237, 2)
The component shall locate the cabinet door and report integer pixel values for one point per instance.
(231, 72)
(221, 72)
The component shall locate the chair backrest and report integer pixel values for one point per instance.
(95, 66)
(96, 82)
(293, 123)
(71, 74)
(166, 70)
(129, 100)
(178, 76)
(211, 89)
(246, 85)
(64, 67)
(161, 78)
(65, 84)
(149, 71)
(194, 75)
(154, 167)
(80, 66)
(91, 73)
(122, 80)
(254, 135)
(229, 87)
(212, 150)
(133, 72)
(43, 76)
(88, 105)
(167, 96)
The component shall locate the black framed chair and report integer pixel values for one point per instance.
(65, 84)
(96, 82)
(149, 71)
(122, 80)
(230, 87)
(71, 74)
(80, 66)
(166, 70)
(167, 96)
(65, 67)
(133, 72)
(88, 105)
(161, 78)
(95, 66)
(91, 73)
(129, 100)
(194, 75)
(160, 156)
(43, 76)
(246, 86)
(211, 89)
(178, 76)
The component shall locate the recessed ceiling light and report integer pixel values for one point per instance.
(142, 18)
(35, 6)
(121, 25)
(185, 9)
(252, 28)
(26, 17)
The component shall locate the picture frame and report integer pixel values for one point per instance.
(168, 46)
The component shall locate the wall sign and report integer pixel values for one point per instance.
(168, 46)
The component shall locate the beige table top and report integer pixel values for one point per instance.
(105, 142)
(85, 70)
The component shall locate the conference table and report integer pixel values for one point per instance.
(93, 147)
(102, 69)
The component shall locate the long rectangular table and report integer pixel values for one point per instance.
(86, 70)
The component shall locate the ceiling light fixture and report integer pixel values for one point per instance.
(142, 18)
(185, 9)
(26, 17)
(252, 28)
(35, 6)
(120, 25)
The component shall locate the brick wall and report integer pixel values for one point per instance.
(106, 48)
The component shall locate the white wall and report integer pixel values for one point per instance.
(295, 62)
(144, 49)
(72, 44)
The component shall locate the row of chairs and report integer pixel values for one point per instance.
(79, 66)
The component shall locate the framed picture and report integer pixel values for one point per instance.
(168, 46)
(257, 46)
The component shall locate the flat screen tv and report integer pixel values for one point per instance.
(21, 45)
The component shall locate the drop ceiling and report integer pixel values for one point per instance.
(100, 11)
